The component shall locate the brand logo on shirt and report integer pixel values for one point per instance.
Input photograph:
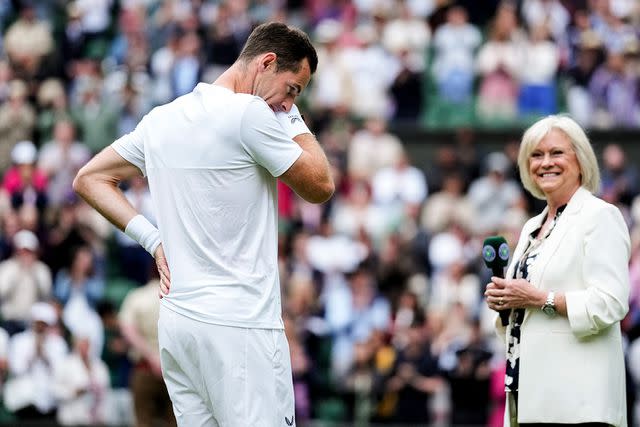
(289, 423)
(295, 118)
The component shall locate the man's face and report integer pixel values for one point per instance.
(39, 327)
(280, 88)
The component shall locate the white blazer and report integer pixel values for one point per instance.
(572, 368)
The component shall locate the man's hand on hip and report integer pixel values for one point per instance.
(163, 269)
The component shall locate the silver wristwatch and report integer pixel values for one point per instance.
(549, 307)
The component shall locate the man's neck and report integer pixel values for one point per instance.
(237, 78)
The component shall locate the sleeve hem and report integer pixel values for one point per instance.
(576, 313)
(127, 156)
(287, 165)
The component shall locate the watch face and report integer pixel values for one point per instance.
(549, 310)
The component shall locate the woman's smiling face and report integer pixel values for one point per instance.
(554, 167)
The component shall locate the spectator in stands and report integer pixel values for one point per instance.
(17, 120)
(372, 148)
(80, 385)
(362, 383)
(28, 41)
(353, 311)
(161, 64)
(355, 213)
(538, 74)
(72, 43)
(493, 194)
(77, 288)
(469, 381)
(139, 325)
(415, 377)
(455, 44)
(75, 224)
(24, 182)
(617, 32)
(498, 62)
(587, 59)
(408, 32)
(455, 284)
(620, 180)
(60, 159)
(52, 108)
(34, 356)
(400, 187)
(550, 13)
(115, 356)
(187, 67)
(447, 205)
(222, 44)
(24, 280)
(79, 279)
(97, 117)
(95, 20)
(614, 88)
(373, 71)
(407, 107)
(333, 86)
(129, 47)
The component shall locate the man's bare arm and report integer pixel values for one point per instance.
(310, 175)
(97, 183)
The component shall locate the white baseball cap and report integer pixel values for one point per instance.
(24, 152)
(25, 239)
(44, 312)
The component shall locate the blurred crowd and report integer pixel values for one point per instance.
(382, 285)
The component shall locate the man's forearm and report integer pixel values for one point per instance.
(106, 198)
(309, 143)
(97, 183)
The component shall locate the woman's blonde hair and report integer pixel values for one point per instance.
(589, 172)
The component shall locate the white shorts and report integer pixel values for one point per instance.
(224, 376)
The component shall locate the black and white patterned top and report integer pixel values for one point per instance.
(521, 271)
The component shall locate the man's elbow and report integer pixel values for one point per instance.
(80, 184)
(323, 192)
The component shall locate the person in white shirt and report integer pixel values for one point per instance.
(212, 158)
(34, 355)
(81, 384)
(60, 159)
(24, 280)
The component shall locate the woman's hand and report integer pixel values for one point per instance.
(502, 294)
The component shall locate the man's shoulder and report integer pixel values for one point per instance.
(209, 98)
(8, 264)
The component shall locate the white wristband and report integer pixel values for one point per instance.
(292, 122)
(143, 232)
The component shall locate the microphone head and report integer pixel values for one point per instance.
(495, 251)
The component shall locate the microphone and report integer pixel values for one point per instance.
(495, 253)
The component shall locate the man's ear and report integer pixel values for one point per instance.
(266, 60)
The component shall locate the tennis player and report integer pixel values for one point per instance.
(212, 158)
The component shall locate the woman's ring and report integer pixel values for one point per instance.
(500, 301)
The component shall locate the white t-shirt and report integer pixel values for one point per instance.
(211, 157)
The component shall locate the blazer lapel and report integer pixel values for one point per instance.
(523, 240)
(566, 221)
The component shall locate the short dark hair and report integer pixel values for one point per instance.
(290, 45)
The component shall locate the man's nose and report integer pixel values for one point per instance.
(286, 105)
